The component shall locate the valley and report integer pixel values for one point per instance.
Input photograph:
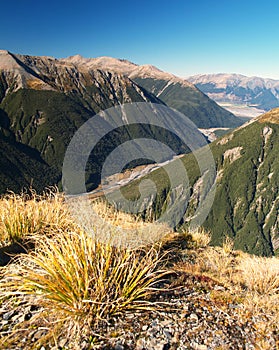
(246, 203)
(139, 175)
(44, 101)
(243, 111)
(243, 96)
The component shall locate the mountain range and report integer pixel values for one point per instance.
(176, 92)
(43, 101)
(244, 96)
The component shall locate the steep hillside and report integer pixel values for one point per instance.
(174, 91)
(22, 167)
(255, 92)
(246, 201)
(44, 101)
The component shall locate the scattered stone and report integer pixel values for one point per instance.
(190, 321)
(6, 316)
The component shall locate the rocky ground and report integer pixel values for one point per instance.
(194, 314)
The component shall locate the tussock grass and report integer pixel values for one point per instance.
(78, 278)
(78, 274)
(23, 215)
(82, 281)
(201, 238)
(260, 274)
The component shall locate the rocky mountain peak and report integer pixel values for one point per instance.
(8, 61)
(126, 68)
(76, 59)
(4, 52)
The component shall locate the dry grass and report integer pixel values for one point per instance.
(260, 274)
(201, 238)
(118, 228)
(83, 275)
(75, 275)
(250, 281)
(217, 260)
(23, 215)
(79, 279)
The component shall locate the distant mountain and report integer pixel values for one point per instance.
(234, 89)
(176, 92)
(246, 203)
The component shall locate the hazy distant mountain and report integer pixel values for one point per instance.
(232, 90)
(172, 90)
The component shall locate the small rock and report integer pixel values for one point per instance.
(144, 328)
(119, 347)
(234, 306)
(194, 317)
(167, 334)
(197, 346)
(8, 315)
(161, 346)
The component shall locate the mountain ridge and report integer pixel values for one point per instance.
(246, 201)
(42, 104)
(176, 92)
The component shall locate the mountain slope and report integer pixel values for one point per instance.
(22, 167)
(246, 202)
(44, 101)
(174, 91)
(235, 88)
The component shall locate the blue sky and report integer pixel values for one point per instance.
(184, 37)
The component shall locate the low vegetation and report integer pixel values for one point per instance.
(28, 214)
(78, 282)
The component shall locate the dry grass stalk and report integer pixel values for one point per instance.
(23, 215)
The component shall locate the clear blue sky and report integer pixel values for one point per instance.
(181, 36)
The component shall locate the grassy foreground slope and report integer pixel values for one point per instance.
(75, 290)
